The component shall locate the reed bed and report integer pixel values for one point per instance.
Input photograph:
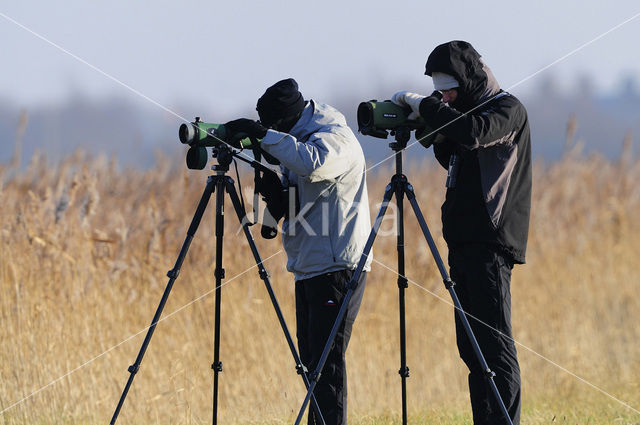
(85, 247)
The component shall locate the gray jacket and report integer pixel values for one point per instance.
(323, 158)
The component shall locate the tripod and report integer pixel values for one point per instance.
(400, 186)
(218, 183)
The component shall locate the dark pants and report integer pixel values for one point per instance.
(482, 276)
(318, 300)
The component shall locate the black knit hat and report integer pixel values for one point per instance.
(281, 100)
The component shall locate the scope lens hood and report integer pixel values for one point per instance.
(186, 133)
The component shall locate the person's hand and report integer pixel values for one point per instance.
(241, 128)
(412, 100)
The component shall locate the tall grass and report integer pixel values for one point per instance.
(85, 247)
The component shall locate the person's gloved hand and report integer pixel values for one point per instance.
(241, 128)
(430, 104)
(406, 98)
(437, 94)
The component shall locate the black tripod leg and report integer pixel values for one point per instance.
(315, 377)
(264, 275)
(219, 275)
(449, 284)
(173, 275)
(402, 286)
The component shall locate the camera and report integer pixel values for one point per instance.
(377, 119)
(199, 135)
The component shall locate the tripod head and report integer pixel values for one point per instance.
(401, 135)
(263, 179)
(224, 155)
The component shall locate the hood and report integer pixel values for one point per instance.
(463, 62)
(316, 117)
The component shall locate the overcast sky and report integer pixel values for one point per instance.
(220, 56)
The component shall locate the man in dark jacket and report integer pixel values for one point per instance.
(484, 142)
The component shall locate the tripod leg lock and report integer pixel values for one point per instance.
(352, 284)
(448, 283)
(217, 367)
(403, 282)
(264, 274)
(219, 274)
(173, 273)
(133, 369)
(404, 372)
(301, 369)
(489, 374)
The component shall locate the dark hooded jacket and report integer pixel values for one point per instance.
(488, 130)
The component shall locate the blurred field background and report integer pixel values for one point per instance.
(86, 246)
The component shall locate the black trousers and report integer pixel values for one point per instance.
(318, 300)
(483, 278)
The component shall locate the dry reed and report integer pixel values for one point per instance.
(86, 245)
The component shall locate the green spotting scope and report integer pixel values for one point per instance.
(199, 135)
(378, 118)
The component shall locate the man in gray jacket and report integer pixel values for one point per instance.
(325, 232)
